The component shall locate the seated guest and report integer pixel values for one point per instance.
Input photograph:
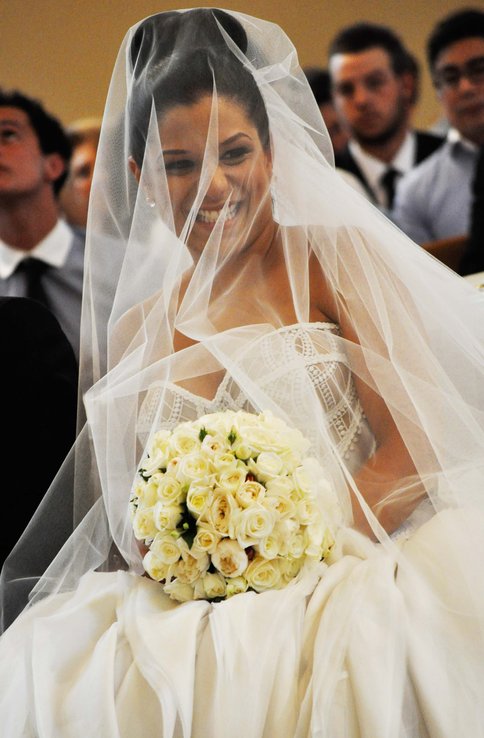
(38, 384)
(433, 201)
(320, 83)
(74, 196)
(40, 255)
(375, 87)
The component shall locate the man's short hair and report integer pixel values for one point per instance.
(49, 131)
(468, 23)
(363, 36)
(320, 84)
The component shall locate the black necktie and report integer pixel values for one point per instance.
(388, 181)
(34, 270)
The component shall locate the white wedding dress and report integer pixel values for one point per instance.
(370, 646)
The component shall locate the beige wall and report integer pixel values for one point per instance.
(62, 51)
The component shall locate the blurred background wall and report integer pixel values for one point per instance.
(63, 51)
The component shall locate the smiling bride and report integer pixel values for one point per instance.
(278, 492)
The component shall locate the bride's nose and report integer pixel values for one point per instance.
(219, 187)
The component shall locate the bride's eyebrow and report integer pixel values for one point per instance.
(235, 137)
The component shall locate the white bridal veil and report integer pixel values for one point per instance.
(278, 288)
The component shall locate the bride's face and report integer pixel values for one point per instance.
(241, 172)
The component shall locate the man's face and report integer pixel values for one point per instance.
(24, 168)
(370, 97)
(459, 78)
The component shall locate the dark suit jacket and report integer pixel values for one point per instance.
(427, 143)
(38, 385)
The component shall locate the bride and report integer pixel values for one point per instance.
(228, 267)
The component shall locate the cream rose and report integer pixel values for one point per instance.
(250, 525)
(198, 499)
(230, 480)
(270, 546)
(236, 586)
(214, 585)
(166, 517)
(179, 591)
(262, 574)
(250, 492)
(166, 548)
(194, 467)
(229, 558)
(143, 524)
(283, 506)
(220, 512)
(155, 567)
(168, 489)
(206, 539)
(190, 568)
(185, 440)
(268, 466)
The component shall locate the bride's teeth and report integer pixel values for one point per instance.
(211, 216)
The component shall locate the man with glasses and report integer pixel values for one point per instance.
(375, 86)
(433, 202)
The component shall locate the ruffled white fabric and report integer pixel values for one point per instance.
(356, 650)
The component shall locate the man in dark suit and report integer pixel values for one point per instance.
(375, 86)
(38, 386)
(40, 255)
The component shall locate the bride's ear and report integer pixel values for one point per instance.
(134, 168)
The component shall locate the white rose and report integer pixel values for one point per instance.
(283, 506)
(229, 558)
(168, 489)
(179, 591)
(198, 498)
(190, 568)
(230, 480)
(143, 524)
(194, 467)
(250, 492)
(303, 482)
(313, 541)
(290, 568)
(155, 567)
(250, 525)
(285, 529)
(270, 546)
(214, 585)
(217, 446)
(220, 512)
(307, 511)
(267, 466)
(236, 586)
(263, 574)
(153, 463)
(166, 517)
(166, 548)
(280, 486)
(185, 440)
(206, 539)
(144, 495)
(297, 544)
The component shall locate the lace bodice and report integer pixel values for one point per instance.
(276, 360)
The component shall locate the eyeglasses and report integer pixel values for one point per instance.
(450, 76)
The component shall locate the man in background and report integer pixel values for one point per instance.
(41, 257)
(375, 87)
(433, 202)
(74, 197)
(320, 84)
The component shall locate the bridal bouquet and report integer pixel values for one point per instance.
(230, 502)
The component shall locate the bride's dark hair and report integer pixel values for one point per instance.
(177, 58)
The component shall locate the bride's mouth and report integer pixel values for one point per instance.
(210, 217)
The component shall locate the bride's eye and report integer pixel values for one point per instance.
(179, 166)
(235, 155)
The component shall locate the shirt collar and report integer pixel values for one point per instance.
(373, 168)
(455, 138)
(53, 249)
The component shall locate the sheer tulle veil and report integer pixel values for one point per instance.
(184, 289)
